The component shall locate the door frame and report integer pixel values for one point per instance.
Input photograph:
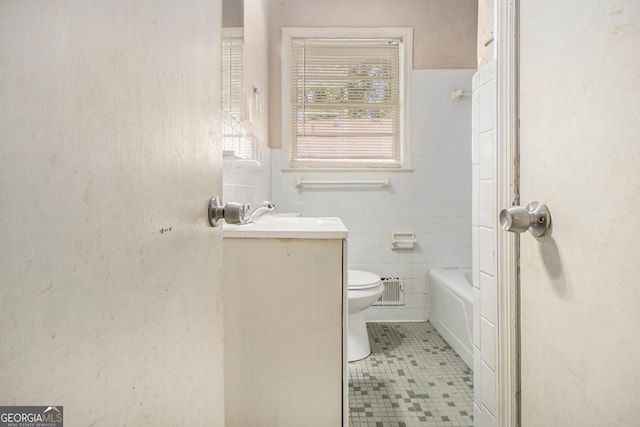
(507, 193)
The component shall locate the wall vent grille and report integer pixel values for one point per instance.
(393, 293)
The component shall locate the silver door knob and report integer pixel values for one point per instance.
(535, 218)
(231, 212)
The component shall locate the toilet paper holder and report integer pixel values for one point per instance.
(403, 241)
(535, 217)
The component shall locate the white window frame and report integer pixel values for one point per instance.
(406, 66)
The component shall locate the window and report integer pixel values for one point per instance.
(345, 97)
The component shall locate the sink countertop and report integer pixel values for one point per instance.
(275, 227)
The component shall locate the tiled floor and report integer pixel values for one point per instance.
(412, 378)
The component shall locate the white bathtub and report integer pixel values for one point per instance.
(451, 305)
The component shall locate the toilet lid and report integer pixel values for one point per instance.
(362, 279)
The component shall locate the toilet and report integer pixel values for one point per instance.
(364, 288)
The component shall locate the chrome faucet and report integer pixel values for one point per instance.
(264, 208)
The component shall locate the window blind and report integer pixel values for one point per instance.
(345, 100)
(232, 75)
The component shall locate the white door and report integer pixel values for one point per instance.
(110, 276)
(580, 154)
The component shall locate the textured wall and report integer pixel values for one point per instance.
(485, 32)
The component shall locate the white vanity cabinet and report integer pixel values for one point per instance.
(285, 325)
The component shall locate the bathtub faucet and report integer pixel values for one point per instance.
(265, 207)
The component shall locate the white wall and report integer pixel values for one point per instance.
(484, 244)
(433, 200)
(485, 32)
(256, 67)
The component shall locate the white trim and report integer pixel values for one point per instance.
(507, 245)
(406, 68)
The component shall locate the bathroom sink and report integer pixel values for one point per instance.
(288, 227)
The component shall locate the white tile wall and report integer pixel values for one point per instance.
(484, 241)
(248, 182)
(433, 200)
(485, 392)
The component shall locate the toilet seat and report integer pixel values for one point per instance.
(358, 279)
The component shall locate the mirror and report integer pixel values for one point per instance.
(237, 143)
(232, 58)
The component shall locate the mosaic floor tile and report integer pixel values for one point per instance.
(412, 379)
